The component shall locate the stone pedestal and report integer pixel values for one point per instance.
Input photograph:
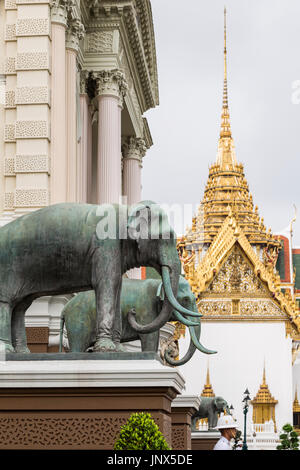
(204, 440)
(81, 404)
(183, 407)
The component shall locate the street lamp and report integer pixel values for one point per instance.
(245, 411)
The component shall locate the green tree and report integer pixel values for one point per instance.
(141, 433)
(289, 438)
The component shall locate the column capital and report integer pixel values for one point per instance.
(134, 149)
(84, 75)
(111, 82)
(59, 10)
(75, 32)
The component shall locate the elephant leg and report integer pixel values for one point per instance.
(149, 342)
(5, 328)
(106, 281)
(19, 339)
(117, 325)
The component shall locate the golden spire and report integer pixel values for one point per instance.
(226, 154)
(264, 404)
(207, 389)
(227, 190)
(225, 126)
(264, 395)
(296, 406)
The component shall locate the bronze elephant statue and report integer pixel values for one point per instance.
(61, 249)
(146, 297)
(210, 408)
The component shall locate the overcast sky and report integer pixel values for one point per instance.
(263, 44)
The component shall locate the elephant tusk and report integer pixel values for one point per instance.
(184, 320)
(171, 297)
(198, 344)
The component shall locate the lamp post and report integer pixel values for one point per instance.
(245, 411)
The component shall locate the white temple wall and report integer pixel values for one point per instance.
(242, 349)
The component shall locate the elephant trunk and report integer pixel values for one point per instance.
(195, 332)
(170, 282)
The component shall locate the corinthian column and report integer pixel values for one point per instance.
(85, 160)
(75, 32)
(111, 88)
(58, 102)
(133, 152)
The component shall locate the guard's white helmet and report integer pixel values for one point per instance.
(226, 422)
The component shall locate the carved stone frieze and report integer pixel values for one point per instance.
(99, 41)
(33, 27)
(9, 166)
(33, 2)
(31, 197)
(33, 95)
(32, 61)
(9, 200)
(10, 99)
(10, 66)
(10, 32)
(32, 164)
(10, 5)
(62, 430)
(32, 130)
(9, 132)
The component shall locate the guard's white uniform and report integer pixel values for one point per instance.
(222, 444)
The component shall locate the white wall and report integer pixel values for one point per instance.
(242, 348)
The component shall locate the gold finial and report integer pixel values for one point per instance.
(225, 125)
(264, 373)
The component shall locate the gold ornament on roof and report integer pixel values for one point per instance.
(207, 389)
(264, 404)
(296, 405)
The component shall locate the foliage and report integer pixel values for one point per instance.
(141, 433)
(289, 438)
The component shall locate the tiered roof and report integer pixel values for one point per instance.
(207, 389)
(263, 395)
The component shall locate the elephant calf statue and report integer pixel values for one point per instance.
(146, 297)
(65, 248)
(209, 408)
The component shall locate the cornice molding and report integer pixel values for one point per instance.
(123, 15)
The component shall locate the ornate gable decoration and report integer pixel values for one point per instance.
(232, 280)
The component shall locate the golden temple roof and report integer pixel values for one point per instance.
(263, 395)
(296, 405)
(207, 389)
(227, 189)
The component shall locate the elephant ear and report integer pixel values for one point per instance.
(160, 293)
(138, 220)
(147, 220)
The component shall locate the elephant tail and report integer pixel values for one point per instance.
(61, 332)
